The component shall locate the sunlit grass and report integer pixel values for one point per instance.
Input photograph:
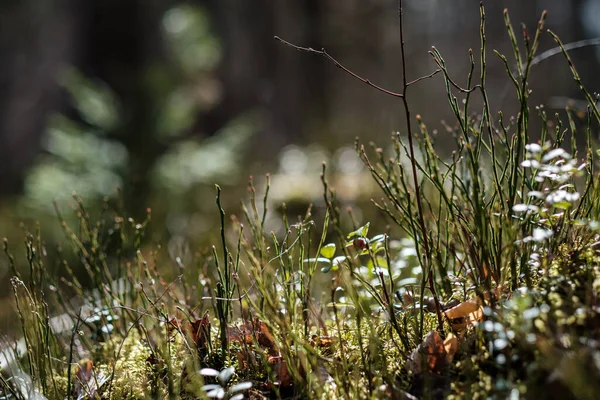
(490, 290)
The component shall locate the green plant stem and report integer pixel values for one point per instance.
(425, 237)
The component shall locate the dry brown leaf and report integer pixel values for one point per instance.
(250, 331)
(323, 342)
(407, 298)
(200, 330)
(173, 325)
(433, 354)
(451, 346)
(284, 379)
(462, 310)
(429, 356)
(84, 371)
(464, 315)
(87, 382)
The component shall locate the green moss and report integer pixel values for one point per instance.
(136, 369)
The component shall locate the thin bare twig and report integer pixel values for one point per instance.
(436, 58)
(434, 73)
(425, 237)
(551, 53)
(324, 53)
(459, 88)
(405, 85)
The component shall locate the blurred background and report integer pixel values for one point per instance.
(164, 98)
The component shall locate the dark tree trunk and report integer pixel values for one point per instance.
(123, 41)
(35, 43)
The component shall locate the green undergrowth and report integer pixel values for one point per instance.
(486, 284)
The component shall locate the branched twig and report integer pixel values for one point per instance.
(405, 85)
(458, 87)
(442, 67)
(424, 236)
(434, 73)
(324, 53)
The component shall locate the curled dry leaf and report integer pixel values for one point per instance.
(433, 354)
(429, 356)
(83, 374)
(464, 315)
(407, 298)
(87, 382)
(462, 310)
(451, 346)
(200, 330)
(257, 332)
(323, 342)
(284, 379)
(251, 331)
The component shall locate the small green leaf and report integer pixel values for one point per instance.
(328, 250)
(382, 262)
(364, 230)
(377, 247)
(563, 205)
(364, 252)
(378, 238)
(360, 232)
(318, 259)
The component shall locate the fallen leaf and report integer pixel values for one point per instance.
(466, 314)
(250, 331)
(257, 332)
(451, 346)
(173, 325)
(407, 298)
(429, 356)
(84, 370)
(284, 379)
(87, 382)
(200, 331)
(322, 342)
(462, 310)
